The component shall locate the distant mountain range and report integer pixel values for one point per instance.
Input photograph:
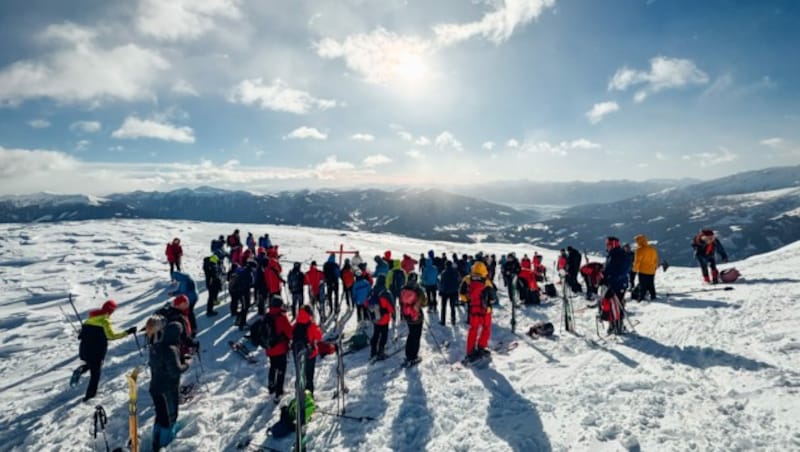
(753, 212)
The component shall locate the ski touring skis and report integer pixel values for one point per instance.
(375, 359)
(300, 355)
(133, 420)
(569, 314)
(243, 351)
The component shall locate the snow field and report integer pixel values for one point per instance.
(708, 370)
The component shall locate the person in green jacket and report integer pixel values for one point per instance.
(94, 336)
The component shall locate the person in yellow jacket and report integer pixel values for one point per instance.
(645, 263)
(94, 336)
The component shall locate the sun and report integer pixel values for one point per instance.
(411, 68)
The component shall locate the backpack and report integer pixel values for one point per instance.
(541, 329)
(263, 332)
(398, 281)
(408, 304)
(329, 270)
(295, 281)
(550, 290)
(374, 306)
(730, 275)
(231, 240)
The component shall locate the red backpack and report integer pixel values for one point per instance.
(408, 304)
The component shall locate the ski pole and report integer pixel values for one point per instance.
(101, 419)
(435, 341)
(346, 416)
(77, 316)
(139, 347)
(71, 323)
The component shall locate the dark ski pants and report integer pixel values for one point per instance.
(277, 374)
(430, 293)
(297, 301)
(165, 405)
(261, 297)
(174, 266)
(380, 333)
(213, 294)
(311, 364)
(244, 308)
(361, 313)
(348, 296)
(94, 377)
(332, 295)
(709, 261)
(572, 282)
(412, 341)
(647, 285)
(449, 299)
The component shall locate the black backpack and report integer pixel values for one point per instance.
(295, 281)
(398, 281)
(550, 290)
(263, 332)
(544, 329)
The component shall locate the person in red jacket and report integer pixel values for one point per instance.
(348, 279)
(538, 268)
(174, 253)
(307, 333)
(272, 273)
(379, 304)
(526, 283)
(409, 264)
(480, 293)
(279, 347)
(313, 279)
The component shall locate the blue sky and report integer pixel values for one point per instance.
(99, 97)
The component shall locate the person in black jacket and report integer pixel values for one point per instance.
(295, 281)
(510, 270)
(706, 247)
(166, 367)
(211, 271)
(448, 288)
(94, 336)
(616, 275)
(573, 267)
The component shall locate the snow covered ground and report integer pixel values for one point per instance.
(709, 370)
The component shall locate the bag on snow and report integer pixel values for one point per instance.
(550, 290)
(730, 275)
(263, 333)
(358, 341)
(541, 329)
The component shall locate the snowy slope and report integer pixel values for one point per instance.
(715, 370)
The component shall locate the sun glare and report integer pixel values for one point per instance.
(411, 68)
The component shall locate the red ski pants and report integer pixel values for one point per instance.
(484, 323)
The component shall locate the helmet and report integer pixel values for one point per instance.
(109, 306)
(181, 302)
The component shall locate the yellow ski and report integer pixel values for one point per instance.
(133, 421)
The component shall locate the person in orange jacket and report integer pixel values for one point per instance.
(645, 263)
(282, 332)
(380, 307)
(307, 333)
(480, 294)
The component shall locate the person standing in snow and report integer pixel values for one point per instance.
(307, 333)
(706, 247)
(630, 257)
(573, 267)
(282, 333)
(412, 300)
(272, 273)
(448, 289)
(348, 279)
(95, 334)
(408, 264)
(616, 276)
(313, 279)
(187, 286)
(174, 252)
(510, 269)
(381, 266)
(381, 310)
(645, 263)
(218, 247)
(356, 260)
(480, 294)
(211, 271)
(430, 278)
(361, 289)
(296, 281)
(332, 274)
(167, 363)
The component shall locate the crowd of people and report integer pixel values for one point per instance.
(404, 288)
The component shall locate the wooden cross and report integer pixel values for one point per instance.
(341, 253)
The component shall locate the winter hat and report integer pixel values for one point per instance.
(176, 240)
(181, 302)
(387, 255)
(479, 268)
(313, 263)
(276, 301)
(109, 306)
(297, 265)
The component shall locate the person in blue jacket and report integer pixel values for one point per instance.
(361, 290)
(381, 267)
(430, 279)
(186, 286)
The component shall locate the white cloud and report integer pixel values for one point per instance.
(362, 137)
(85, 126)
(598, 111)
(488, 145)
(134, 128)
(414, 154)
(302, 133)
(185, 88)
(512, 143)
(332, 167)
(375, 160)
(277, 97)
(81, 70)
(775, 142)
(664, 73)
(661, 156)
(380, 56)
(423, 141)
(562, 148)
(177, 20)
(447, 141)
(82, 145)
(406, 136)
(582, 143)
(705, 159)
(16, 163)
(496, 26)
(39, 123)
